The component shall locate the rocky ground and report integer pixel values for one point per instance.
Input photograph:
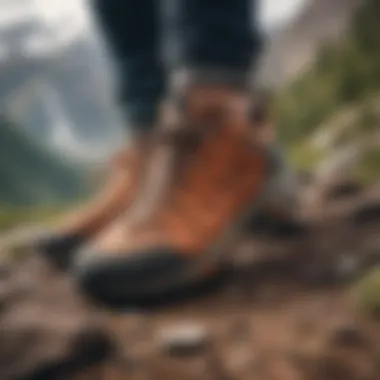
(289, 312)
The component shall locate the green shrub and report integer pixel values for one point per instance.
(11, 216)
(368, 169)
(367, 292)
(345, 73)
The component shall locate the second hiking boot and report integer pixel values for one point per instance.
(115, 197)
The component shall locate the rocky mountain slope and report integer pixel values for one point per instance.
(70, 87)
(293, 47)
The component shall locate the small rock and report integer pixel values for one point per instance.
(7, 294)
(240, 330)
(329, 368)
(366, 214)
(305, 178)
(240, 360)
(284, 369)
(317, 272)
(371, 256)
(5, 271)
(305, 325)
(47, 331)
(344, 365)
(347, 267)
(50, 349)
(290, 228)
(347, 335)
(302, 360)
(184, 340)
(344, 189)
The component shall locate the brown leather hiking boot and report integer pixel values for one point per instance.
(114, 198)
(205, 176)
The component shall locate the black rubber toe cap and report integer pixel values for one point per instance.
(145, 279)
(59, 249)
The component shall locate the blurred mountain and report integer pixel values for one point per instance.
(60, 93)
(30, 175)
(292, 47)
(81, 77)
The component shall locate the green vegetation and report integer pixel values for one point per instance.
(367, 292)
(304, 156)
(35, 185)
(12, 216)
(344, 76)
(369, 166)
(30, 175)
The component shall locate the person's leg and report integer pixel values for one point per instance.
(220, 41)
(131, 32)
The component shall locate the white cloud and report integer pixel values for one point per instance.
(274, 12)
(54, 10)
(56, 14)
(13, 13)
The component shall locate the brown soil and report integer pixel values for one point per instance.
(288, 314)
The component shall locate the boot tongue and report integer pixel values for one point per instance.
(172, 147)
(179, 136)
(173, 139)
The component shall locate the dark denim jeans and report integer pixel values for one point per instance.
(212, 34)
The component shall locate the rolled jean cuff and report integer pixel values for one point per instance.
(209, 75)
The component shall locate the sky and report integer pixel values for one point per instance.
(275, 12)
(56, 15)
(272, 12)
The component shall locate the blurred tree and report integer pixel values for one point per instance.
(31, 175)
